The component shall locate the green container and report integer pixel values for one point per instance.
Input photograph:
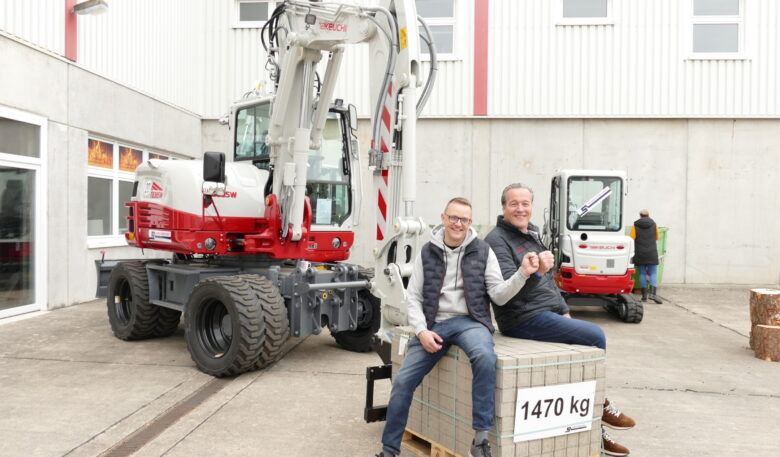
(660, 244)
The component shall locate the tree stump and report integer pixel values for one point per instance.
(764, 310)
(767, 342)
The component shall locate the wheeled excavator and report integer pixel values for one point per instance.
(259, 241)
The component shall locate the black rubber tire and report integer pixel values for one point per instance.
(630, 309)
(167, 322)
(277, 323)
(359, 340)
(130, 314)
(224, 326)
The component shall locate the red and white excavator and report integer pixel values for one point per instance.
(258, 240)
(584, 229)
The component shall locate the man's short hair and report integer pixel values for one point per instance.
(644, 213)
(517, 185)
(458, 200)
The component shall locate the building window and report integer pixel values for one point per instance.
(584, 12)
(717, 28)
(111, 172)
(440, 17)
(253, 13)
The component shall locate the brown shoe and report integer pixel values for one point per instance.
(610, 447)
(613, 418)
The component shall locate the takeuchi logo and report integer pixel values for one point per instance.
(156, 191)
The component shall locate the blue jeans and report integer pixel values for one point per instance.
(645, 270)
(477, 342)
(554, 328)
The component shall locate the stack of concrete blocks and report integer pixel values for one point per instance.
(441, 408)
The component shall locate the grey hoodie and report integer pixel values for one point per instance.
(452, 301)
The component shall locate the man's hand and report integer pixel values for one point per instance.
(530, 264)
(430, 341)
(546, 262)
(567, 315)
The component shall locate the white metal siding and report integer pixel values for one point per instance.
(37, 21)
(636, 67)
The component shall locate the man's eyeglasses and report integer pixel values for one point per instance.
(456, 219)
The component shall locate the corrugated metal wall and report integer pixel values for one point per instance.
(188, 53)
(37, 21)
(636, 67)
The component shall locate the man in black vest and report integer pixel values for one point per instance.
(449, 293)
(538, 311)
(645, 233)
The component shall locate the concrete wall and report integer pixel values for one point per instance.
(712, 182)
(78, 103)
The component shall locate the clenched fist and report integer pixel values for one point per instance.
(546, 262)
(530, 264)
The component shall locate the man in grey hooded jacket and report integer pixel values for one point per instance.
(449, 294)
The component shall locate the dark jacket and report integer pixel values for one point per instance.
(645, 249)
(472, 265)
(539, 293)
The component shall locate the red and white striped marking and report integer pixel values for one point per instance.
(381, 176)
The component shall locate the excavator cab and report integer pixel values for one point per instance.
(329, 171)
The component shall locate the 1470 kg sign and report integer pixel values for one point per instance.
(554, 410)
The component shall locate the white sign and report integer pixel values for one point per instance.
(324, 206)
(548, 411)
(163, 236)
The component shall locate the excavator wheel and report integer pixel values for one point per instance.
(224, 325)
(369, 317)
(277, 324)
(629, 309)
(130, 314)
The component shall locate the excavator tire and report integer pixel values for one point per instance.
(130, 314)
(629, 309)
(224, 326)
(168, 322)
(359, 340)
(277, 324)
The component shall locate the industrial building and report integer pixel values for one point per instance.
(682, 94)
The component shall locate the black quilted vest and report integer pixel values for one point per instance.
(645, 250)
(472, 264)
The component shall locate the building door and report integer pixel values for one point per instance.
(22, 245)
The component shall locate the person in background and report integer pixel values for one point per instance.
(645, 233)
(538, 311)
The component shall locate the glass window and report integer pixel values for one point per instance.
(253, 13)
(157, 156)
(19, 138)
(100, 154)
(435, 8)
(125, 193)
(440, 17)
(585, 8)
(716, 27)
(130, 158)
(251, 129)
(716, 7)
(328, 176)
(17, 237)
(99, 207)
(716, 38)
(594, 203)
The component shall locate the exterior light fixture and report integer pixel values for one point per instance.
(90, 7)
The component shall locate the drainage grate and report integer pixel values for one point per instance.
(138, 439)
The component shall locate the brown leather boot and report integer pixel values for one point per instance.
(613, 418)
(610, 447)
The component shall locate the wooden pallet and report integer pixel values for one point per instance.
(421, 446)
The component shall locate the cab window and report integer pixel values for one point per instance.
(328, 175)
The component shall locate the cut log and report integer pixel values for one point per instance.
(767, 342)
(764, 310)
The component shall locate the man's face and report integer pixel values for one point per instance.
(518, 208)
(455, 232)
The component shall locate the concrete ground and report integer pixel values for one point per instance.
(69, 388)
